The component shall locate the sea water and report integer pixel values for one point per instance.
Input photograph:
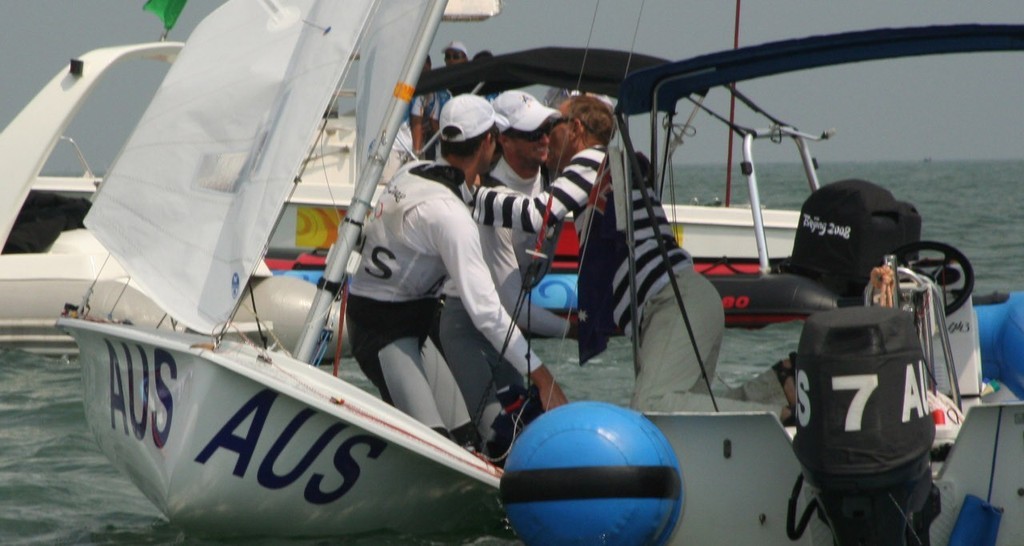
(57, 488)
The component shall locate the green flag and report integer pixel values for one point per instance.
(167, 10)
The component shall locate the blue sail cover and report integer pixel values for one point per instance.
(662, 86)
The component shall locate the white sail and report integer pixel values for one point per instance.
(191, 202)
(389, 39)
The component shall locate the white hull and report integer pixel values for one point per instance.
(35, 287)
(742, 498)
(710, 233)
(224, 442)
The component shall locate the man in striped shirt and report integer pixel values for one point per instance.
(669, 370)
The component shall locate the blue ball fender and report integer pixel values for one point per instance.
(592, 473)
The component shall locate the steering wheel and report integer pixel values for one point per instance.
(944, 265)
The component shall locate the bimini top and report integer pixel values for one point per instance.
(592, 70)
(664, 85)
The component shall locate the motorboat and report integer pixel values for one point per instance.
(872, 458)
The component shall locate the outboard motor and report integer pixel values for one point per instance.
(845, 229)
(864, 431)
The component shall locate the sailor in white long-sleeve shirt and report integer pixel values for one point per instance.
(419, 234)
(524, 146)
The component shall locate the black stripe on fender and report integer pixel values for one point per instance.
(592, 482)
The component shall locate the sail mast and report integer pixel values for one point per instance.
(351, 228)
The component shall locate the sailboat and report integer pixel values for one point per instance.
(226, 437)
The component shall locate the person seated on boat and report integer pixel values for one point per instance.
(420, 234)
(479, 368)
(669, 374)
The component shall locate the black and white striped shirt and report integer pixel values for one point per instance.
(574, 192)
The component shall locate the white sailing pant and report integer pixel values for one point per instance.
(421, 384)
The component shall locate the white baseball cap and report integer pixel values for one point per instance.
(457, 46)
(467, 116)
(523, 111)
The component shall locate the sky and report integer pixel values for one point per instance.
(945, 108)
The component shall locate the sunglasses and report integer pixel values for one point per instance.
(529, 136)
(454, 56)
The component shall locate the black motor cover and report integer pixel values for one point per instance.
(845, 229)
(861, 402)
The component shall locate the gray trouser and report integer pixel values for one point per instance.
(421, 385)
(669, 377)
(478, 369)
